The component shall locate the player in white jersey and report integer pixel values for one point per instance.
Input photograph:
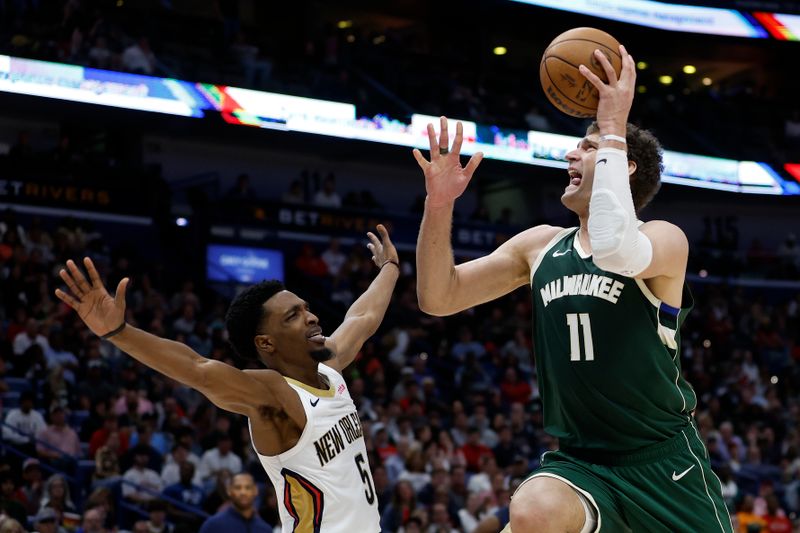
(303, 423)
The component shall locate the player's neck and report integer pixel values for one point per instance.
(583, 235)
(306, 374)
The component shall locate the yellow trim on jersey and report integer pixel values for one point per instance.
(313, 390)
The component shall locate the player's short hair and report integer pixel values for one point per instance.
(245, 315)
(644, 150)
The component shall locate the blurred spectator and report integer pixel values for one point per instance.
(157, 518)
(474, 450)
(32, 489)
(257, 68)
(8, 501)
(57, 496)
(185, 491)
(100, 56)
(139, 482)
(748, 521)
(400, 508)
(440, 520)
(23, 423)
(221, 457)
(295, 194)
(46, 521)
(107, 459)
(241, 515)
(138, 58)
(327, 195)
(310, 264)
(29, 337)
(100, 437)
(58, 443)
(242, 191)
(93, 521)
(334, 258)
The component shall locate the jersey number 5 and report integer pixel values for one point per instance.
(365, 477)
(574, 336)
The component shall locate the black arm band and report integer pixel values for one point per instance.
(395, 263)
(114, 331)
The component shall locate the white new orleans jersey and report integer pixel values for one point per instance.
(323, 483)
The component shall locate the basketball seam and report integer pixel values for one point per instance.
(556, 87)
(586, 40)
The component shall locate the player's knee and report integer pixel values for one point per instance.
(545, 507)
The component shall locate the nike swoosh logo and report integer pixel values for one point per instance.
(676, 477)
(559, 254)
(314, 403)
(604, 160)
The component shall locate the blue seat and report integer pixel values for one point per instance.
(17, 384)
(77, 418)
(10, 399)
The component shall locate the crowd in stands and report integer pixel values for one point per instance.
(94, 441)
(394, 70)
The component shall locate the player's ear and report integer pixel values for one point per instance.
(631, 167)
(264, 343)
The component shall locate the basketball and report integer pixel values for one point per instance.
(564, 85)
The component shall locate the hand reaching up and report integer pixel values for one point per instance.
(445, 178)
(101, 312)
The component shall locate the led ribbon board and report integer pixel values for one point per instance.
(101, 87)
(664, 16)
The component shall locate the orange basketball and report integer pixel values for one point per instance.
(564, 85)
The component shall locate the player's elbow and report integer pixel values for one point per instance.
(433, 306)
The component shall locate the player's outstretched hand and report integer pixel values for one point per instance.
(382, 249)
(616, 96)
(98, 309)
(445, 178)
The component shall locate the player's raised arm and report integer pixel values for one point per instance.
(442, 287)
(366, 313)
(618, 243)
(227, 387)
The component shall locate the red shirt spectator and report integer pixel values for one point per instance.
(100, 437)
(473, 450)
(514, 390)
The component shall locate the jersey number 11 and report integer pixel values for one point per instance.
(574, 336)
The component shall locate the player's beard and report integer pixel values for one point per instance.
(321, 355)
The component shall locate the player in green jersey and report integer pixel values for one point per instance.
(609, 297)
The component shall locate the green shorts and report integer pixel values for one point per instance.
(667, 487)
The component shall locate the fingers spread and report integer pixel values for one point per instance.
(373, 239)
(459, 138)
(611, 74)
(592, 77)
(432, 141)
(78, 277)
(474, 161)
(93, 275)
(421, 161)
(383, 232)
(67, 299)
(70, 283)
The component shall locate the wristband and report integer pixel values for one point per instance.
(610, 137)
(114, 331)
(395, 263)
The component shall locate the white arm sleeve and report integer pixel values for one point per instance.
(617, 244)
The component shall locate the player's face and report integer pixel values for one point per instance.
(580, 174)
(293, 329)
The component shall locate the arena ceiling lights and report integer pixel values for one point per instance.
(685, 18)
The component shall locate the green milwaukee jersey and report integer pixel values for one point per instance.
(607, 353)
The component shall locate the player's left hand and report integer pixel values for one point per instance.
(616, 96)
(382, 249)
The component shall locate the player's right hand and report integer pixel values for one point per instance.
(100, 311)
(445, 178)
